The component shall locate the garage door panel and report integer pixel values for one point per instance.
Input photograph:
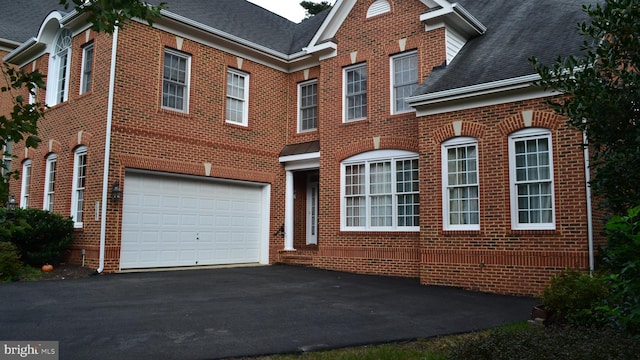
(173, 221)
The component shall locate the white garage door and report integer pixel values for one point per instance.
(177, 221)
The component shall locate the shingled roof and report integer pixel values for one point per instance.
(238, 18)
(516, 30)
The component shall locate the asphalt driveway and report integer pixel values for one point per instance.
(218, 313)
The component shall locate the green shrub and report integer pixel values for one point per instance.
(577, 299)
(40, 236)
(539, 343)
(621, 257)
(10, 264)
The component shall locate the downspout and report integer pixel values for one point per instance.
(107, 150)
(587, 176)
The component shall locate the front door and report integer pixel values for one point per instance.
(312, 209)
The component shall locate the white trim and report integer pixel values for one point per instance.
(25, 189)
(300, 86)
(77, 153)
(52, 160)
(245, 100)
(454, 143)
(523, 135)
(378, 7)
(187, 80)
(365, 159)
(311, 218)
(53, 72)
(301, 157)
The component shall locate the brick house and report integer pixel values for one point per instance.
(392, 137)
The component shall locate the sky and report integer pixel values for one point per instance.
(290, 9)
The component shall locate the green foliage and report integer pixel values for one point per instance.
(105, 15)
(576, 299)
(10, 264)
(621, 257)
(313, 8)
(539, 343)
(604, 98)
(42, 236)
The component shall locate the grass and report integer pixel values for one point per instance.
(519, 340)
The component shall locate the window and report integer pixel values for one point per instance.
(7, 156)
(308, 106)
(460, 191)
(87, 69)
(531, 177)
(404, 70)
(175, 80)
(26, 184)
(79, 179)
(49, 181)
(378, 7)
(237, 97)
(380, 192)
(57, 83)
(355, 93)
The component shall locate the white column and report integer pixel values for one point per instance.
(288, 213)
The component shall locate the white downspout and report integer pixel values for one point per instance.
(587, 176)
(107, 150)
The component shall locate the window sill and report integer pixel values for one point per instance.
(353, 122)
(534, 232)
(452, 232)
(174, 112)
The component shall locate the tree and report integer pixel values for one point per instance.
(313, 8)
(21, 123)
(603, 99)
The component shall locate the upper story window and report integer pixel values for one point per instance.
(175, 80)
(49, 181)
(404, 78)
(355, 93)
(237, 97)
(78, 186)
(380, 192)
(531, 179)
(308, 106)
(26, 184)
(58, 75)
(460, 188)
(87, 68)
(7, 156)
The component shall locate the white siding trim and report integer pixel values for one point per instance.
(454, 42)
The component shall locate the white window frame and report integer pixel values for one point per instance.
(77, 191)
(7, 157)
(457, 143)
(523, 135)
(302, 107)
(367, 159)
(186, 85)
(392, 76)
(86, 80)
(242, 98)
(25, 189)
(59, 61)
(346, 93)
(49, 181)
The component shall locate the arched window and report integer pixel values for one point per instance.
(380, 191)
(531, 179)
(58, 77)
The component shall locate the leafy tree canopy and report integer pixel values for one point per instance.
(314, 8)
(21, 123)
(603, 98)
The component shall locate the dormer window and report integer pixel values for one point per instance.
(58, 77)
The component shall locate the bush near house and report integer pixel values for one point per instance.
(10, 264)
(40, 236)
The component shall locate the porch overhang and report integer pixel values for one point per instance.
(301, 156)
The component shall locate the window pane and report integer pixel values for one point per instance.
(462, 185)
(174, 81)
(405, 80)
(356, 92)
(308, 107)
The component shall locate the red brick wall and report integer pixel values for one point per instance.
(497, 258)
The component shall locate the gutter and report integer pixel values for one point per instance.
(587, 176)
(107, 151)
